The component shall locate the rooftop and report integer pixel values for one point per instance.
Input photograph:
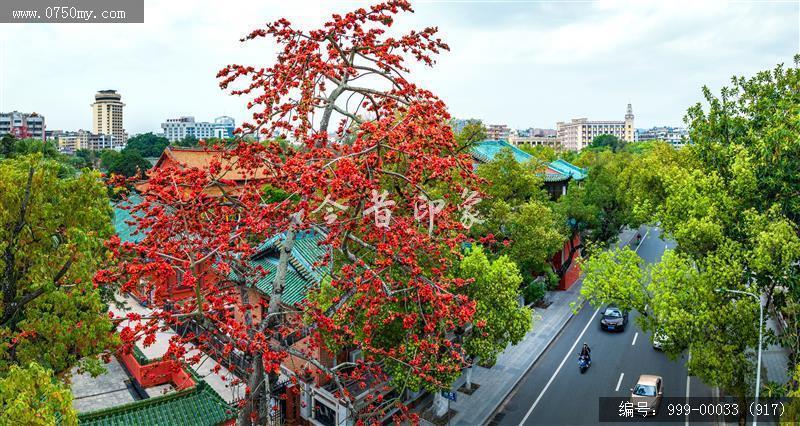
(198, 405)
(303, 271)
(201, 158)
(555, 171)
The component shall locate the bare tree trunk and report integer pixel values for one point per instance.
(468, 376)
(259, 392)
(440, 405)
(254, 384)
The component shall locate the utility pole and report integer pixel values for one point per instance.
(760, 337)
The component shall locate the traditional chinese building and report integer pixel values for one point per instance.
(201, 158)
(557, 177)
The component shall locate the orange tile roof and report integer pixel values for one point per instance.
(201, 158)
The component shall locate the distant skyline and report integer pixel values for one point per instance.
(520, 63)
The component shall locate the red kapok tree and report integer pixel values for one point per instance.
(386, 185)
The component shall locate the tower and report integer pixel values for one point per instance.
(107, 115)
(629, 129)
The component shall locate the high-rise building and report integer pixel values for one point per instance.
(107, 115)
(176, 129)
(579, 133)
(676, 136)
(22, 125)
(224, 127)
(497, 132)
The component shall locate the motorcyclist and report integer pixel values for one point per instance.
(586, 352)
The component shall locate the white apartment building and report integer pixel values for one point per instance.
(176, 129)
(22, 125)
(70, 142)
(497, 132)
(107, 115)
(676, 136)
(579, 133)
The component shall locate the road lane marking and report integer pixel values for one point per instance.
(634, 338)
(549, 382)
(688, 377)
(641, 241)
(619, 382)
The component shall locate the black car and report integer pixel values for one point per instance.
(614, 319)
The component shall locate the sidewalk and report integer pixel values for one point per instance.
(497, 382)
(774, 358)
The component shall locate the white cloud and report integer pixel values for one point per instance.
(520, 63)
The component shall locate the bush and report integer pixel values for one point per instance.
(552, 280)
(534, 292)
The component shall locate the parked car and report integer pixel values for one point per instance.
(646, 395)
(659, 339)
(614, 319)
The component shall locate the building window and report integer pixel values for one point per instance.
(323, 414)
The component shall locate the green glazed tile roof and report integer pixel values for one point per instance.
(198, 405)
(302, 273)
(568, 168)
(486, 151)
(126, 231)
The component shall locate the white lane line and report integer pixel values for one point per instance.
(549, 382)
(641, 241)
(619, 382)
(688, 378)
(634, 338)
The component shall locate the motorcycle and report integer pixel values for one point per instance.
(583, 363)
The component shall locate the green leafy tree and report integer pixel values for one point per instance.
(11, 147)
(7, 145)
(600, 206)
(541, 152)
(29, 396)
(127, 163)
(473, 132)
(518, 213)
(148, 144)
(188, 141)
(499, 319)
(610, 142)
(86, 158)
(729, 201)
(52, 230)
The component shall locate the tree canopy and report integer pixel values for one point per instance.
(148, 144)
(495, 288)
(729, 202)
(518, 213)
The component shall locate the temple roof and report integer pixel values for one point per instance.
(201, 158)
(198, 405)
(556, 171)
(122, 216)
(303, 271)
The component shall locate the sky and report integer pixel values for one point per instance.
(521, 63)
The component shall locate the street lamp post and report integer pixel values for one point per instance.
(760, 334)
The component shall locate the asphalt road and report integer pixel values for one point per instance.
(554, 392)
